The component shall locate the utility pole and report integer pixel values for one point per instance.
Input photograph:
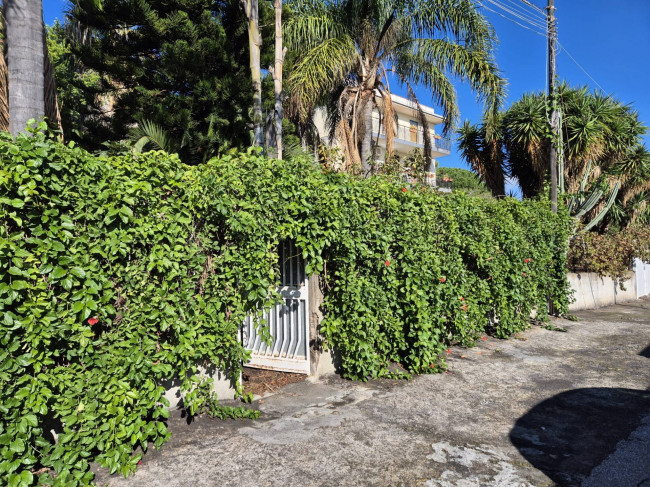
(552, 97)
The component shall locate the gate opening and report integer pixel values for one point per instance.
(287, 322)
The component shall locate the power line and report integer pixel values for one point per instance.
(512, 20)
(524, 16)
(532, 5)
(578, 64)
(534, 23)
(531, 12)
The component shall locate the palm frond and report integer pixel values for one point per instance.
(321, 70)
(150, 135)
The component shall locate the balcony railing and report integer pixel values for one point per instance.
(416, 136)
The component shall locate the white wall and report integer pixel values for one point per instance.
(593, 291)
(642, 270)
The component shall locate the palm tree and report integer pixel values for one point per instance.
(251, 10)
(482, 147)
(346, 48)
(27, 87)
(25, 61)
(601, 138)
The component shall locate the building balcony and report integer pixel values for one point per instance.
(409, 138)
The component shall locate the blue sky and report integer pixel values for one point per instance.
(610, 40)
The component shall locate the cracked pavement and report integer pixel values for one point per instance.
(547, 408)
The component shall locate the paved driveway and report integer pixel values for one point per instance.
(549, 408)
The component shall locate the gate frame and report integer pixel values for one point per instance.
(260, 358)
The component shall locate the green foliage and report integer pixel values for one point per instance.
(463, 180)
(122, 241)
(180, 64)
(417, 271)
(118, 274)
(602, 140)
(609, 254)
(77, 88)
(412, 167)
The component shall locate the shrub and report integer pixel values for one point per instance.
(609, 254)
(117, 274)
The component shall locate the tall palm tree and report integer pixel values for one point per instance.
(25, 61)
(251, 10)
(27, 86)
(346, 48)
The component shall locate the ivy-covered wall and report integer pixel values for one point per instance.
(117, 274)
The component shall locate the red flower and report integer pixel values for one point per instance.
(462, 298)
(403, 190)
(484, 338)
(432, 366)
(443, 279)
(524, 273)
(140, 462)
(449, 350)
(387, 263)
(93, 321)
(464, 307)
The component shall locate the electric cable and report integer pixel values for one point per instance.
(535, 22)
(578, 64)
(511, 20)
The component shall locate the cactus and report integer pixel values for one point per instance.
(583, 184)
(580, 204)
(603, 212)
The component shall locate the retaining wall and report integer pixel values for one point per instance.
(592, 291)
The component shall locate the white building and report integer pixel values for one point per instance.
(408, 130)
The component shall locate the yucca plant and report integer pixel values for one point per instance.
(603, 154)
(345, 50)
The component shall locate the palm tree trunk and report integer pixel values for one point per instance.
(25, 60)
(366, 141)
(251, 9)
(277, 77)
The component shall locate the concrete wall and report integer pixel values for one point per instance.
(322, 362)
(642, 271)
(592, 291)
(224, 388)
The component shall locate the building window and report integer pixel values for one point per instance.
(414, 131)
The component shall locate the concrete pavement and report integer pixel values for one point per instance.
(547, 408)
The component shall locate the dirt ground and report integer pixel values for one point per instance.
(550, 408)
(261, 382)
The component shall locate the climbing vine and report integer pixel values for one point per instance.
(119, 274)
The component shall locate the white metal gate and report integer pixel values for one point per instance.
(288, 322)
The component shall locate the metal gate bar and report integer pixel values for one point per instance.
(287, 322)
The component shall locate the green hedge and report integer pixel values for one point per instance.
(117, 274)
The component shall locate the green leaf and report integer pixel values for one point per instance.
(19, 285)
(78, 272)
(27, 477)
(17, 446)
(59, 272)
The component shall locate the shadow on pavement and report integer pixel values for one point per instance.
(645, 352)
(569, 434)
